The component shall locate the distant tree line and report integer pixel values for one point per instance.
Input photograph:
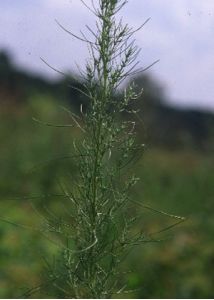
(160, 124)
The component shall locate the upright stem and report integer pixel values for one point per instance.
(99, 202)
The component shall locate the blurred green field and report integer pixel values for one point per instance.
(179, 182)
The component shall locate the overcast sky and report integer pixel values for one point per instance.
(180, 34)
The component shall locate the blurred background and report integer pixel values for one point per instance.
(176, 170)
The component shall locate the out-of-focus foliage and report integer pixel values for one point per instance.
(177, 172)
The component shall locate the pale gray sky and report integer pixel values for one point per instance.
(180, 34)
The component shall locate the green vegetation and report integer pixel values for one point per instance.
(79, 189)
(97, 233)
(180, 182)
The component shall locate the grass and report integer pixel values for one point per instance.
(178, 182)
